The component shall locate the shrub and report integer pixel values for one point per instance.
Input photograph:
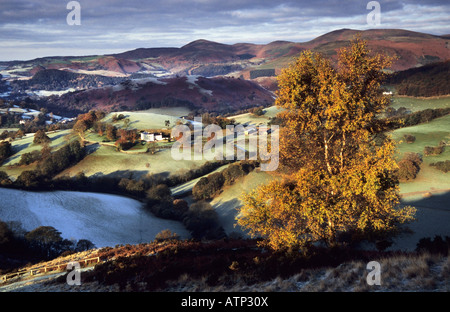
(413, 157)
(6, 235)
(208, 186)
(202, 221)
(442, 165)
(40, 137)
(180, 207)
(29, 179)
(433, 150)
(186, 176)
(409, 166)
(435, 246)
(4, 179)
(409, 138)
(5, 150)
(237, 170)
(116, 117)
(158, 192)
(258, 111)
(160, 202)
(29, 158)
(233, 172)
(132, 187)
(166, 235)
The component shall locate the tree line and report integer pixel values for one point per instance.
(48, 165)
(19, 247)
(55, 79)
(428, 80)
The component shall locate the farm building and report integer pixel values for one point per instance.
(151, 137)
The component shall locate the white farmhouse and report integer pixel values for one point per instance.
(151, 137)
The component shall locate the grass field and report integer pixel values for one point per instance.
(107, 161)
(250, 119)
(26, 145)
(187, 187)
(429, 134)
(228, 201)
(152, 118)
(429, 191)
(418, 104)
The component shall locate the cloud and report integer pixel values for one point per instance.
(112, 25)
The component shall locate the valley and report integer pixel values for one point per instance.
(104, 169)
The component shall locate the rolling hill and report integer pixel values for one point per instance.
(426, 81)
(174, 76)
(413, 49)
(219, 94)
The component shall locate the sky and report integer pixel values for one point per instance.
(37, 28)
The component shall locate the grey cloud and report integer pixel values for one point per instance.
(130, 24)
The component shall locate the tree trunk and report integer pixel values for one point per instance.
(342, 150)
(327, 161)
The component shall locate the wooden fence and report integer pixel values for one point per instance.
(46, 269)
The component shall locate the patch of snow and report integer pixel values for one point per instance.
(192, 79)
(101, 72)
(45, 93)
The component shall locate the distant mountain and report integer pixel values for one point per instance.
(412, 49)
(209, 58)
(259, 63)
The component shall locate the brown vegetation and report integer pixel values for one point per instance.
(433, 150)
(442, 165)
(409, 167)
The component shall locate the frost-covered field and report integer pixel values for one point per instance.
(105, 220)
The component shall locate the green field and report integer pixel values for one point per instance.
(26, 145)
(228, 201)
(418, 104)
(250, 119)
(150, 119)
(107, 161)
(428, 134)
(187, 187)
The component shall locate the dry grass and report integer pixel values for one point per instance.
(425, 272)
(136, 268)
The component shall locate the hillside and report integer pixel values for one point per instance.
(58, 80)
(413, 49)
(220, 94)
(235, 265)
(426, 81)
(152, 90)
(165, 77)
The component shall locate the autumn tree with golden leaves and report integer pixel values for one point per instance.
(339, 179)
